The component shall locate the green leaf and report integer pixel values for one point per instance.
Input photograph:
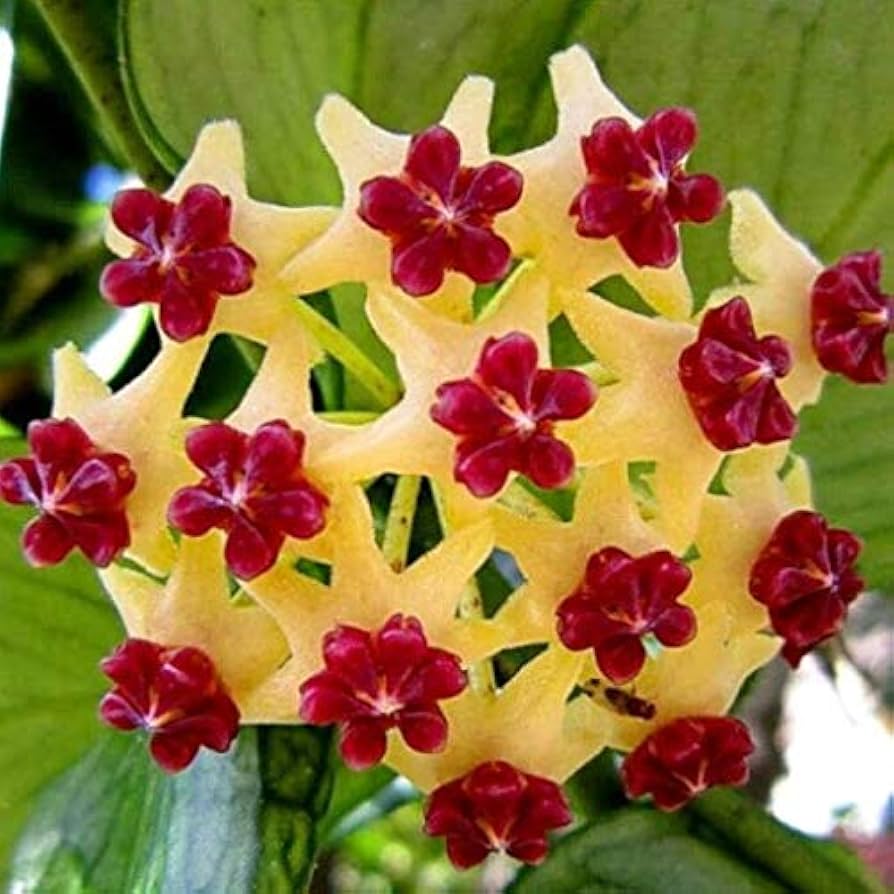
(640, 850)
(239, 822)
(56, 626)
(848, 439)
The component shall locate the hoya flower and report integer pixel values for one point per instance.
(175, 694)
(374, 682)
(851, 318)
(79, 489)
(622, 599)
(729, 376)
(254, 489)
(682, 759)
(504, 415)
(636, 187)
(184, 260)
(496, 807)
(805, 576)
(439, 214)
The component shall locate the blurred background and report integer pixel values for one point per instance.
(795, 98)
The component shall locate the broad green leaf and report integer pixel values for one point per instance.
(643, 851)
(56, 626)
(239, 822)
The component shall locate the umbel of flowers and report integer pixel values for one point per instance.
(644, 646)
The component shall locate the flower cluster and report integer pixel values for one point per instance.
(645, 650)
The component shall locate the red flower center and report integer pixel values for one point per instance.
(173, 692)
(504, 415)
(621, 599)
(687, 756)
(374, 682)
(496, 807)
(439, 214)
(184, 260)
(729, 376)
(851, 318)
(254, 489)
(805, 576)
(80, 490)
(636, 187)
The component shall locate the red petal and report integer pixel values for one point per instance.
(201, 219)
(249, 551)
(508, 364)
(484, 468)
(423, 727)
(441, 676)
(100, 537)
(95, 486)
(185, 311)
(218, 450)
(142, 214)
(362, 743)
(298, 512)
(612, 151)
(676, 627)
(433, 159)
(45, 541)
(465, 408)
(652, 241)
(548, 462)
(621, 658)
(480, 253)
(19, 483)
(494, 187)
(419, 267)
(133, 281)
(531, 851)
(325, 699)
(59, 446)
(347, 651)
(464, 853)
(273, 455)
(117, 711)
(196, 510)
(669, 135)
(225, 269)
(389, 205)
(607, 209)
(698, 197)
(171, 752)
(561, 394)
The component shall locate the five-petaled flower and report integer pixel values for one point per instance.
(184, 259)
(851, 318)
(79, 489)
(688, 755)
(504, 416)
(254, 489)
(439, 214)
(805, 576)
(636, 187)
(496, 807)
(374, 682)
(621, 599)
(175, 694)
(729, 376)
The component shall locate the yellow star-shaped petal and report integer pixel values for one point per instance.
(270, 233)
(365, 591)
(552, 554)
(701, 678)
(351, 251)
(540, 225)
(430, 350)
(644, 415)
(144, 422)
(781, 272)
(757, 500)
(194, 607)
(521, 724)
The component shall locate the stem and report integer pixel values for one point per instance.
(399, 524)
(600, 374)
(794, 859)
(93, 59)
(507, 286)
(338, 345)
(481, 673)
(348, 417)
(522, 502)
